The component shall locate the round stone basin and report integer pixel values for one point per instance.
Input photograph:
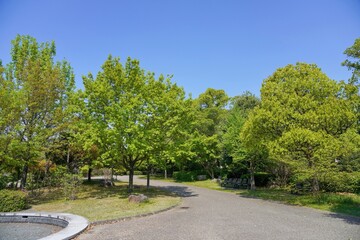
(29, 231)
(56, 226)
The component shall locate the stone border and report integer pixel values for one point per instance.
(72, 224)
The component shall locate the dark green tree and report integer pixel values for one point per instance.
(300, 121)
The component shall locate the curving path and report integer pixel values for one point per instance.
(208, 214)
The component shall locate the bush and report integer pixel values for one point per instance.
(12, 201)
(70, 184)
(183, 176)
(341, 182)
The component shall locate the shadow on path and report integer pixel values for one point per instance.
(181, 191)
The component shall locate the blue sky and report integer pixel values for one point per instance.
(230, 45)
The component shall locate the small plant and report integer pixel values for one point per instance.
(70, 185)
(12, 200)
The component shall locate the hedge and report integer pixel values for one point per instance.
(11, 200)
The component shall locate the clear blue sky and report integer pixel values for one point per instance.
(230, 45)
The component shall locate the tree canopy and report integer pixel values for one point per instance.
(301, 121)
(304, 129)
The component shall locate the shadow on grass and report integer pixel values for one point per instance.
(267, 194)
(341, 205)
(95, 190)
(346, 218)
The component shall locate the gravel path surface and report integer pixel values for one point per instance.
(208, 214)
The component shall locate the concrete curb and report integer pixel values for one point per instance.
(72, 224)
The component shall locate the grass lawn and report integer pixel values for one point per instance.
(98, 203)
(334, 202)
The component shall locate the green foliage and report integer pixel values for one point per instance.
(353, 61)
(4, 180)
(38, 88)
(12, 201)
(305, 129)
(70, 185)
(301, 121)
(352, 88)
(185, 176)
(204, 136)
(341, 182)
(134, 117)
(233, 144)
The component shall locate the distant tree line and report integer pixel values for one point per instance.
(304, 128)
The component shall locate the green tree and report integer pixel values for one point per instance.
(8, 118)
(170, 119)
(353, 61)
(352, 87)
(39, 87)
(210, 112)
(233, 146)
(128, 107)
(300, 120)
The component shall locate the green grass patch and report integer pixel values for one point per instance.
(345, 203)
(98, 203)
(334, 202)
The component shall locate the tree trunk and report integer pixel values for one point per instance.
(68, 159)
(112, 174)
(148, 179)
(148, 176)
(165, 173)
(131, 179)
(24, 176)
(212, 174)
(252, 176)
(89, 174)
(315, 185)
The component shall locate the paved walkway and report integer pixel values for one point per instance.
(208, 214)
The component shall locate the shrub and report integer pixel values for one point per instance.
(70, 184)
(183, 176)
(12, 201)
(341, 182)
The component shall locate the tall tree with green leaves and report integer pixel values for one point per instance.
(8, 120)
(131, 112)
(170, 119)
(210, 112)
(241, 106)
(300, 120)
(352, 88)
(353, 59)
(41, 86)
